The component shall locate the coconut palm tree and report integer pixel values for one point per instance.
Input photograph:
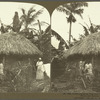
(30, 16)
(70, 9)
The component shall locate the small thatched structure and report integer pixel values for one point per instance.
(17, 54)
(87, 49)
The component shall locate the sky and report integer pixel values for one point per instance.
(58, 19)
(7, 10)
(60, 25)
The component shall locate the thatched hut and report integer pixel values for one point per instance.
(17, 54)
(87, 49)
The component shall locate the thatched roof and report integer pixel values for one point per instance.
(15, 44)
(88, 46)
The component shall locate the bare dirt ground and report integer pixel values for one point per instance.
(61, 85)
(40, 86)
(36, 86)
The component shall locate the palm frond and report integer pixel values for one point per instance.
(34, 30)
(78, 12)
(41, 23)
(44, 22)
(23, 10)
(85, 29)
(58, 37)
(30, 11)
(48, 29)
(75, 7)
(36, 15)
(98, 26)
(63, 9)
(68, 6)
(82, 4)
(23, 17)
(73, 38)
(87, 25)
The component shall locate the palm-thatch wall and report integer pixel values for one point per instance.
(17, 54)
(86, 49)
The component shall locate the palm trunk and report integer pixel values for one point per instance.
(40, 36)
(40, 31)
(70, 33)
(26, 30)
(26, 26)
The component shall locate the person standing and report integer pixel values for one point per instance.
(1, 72)
(81, 68)
(1, 69)
(40, 70)
(89, 71)
(81, 72)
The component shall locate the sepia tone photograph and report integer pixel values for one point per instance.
(24, 48)
(57, 54)
(75, 65)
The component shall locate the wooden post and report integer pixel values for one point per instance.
(93, 64)
(93, 61)
(3, 61)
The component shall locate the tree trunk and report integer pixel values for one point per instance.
(26, 26)
(40, 36)
(40, 31)
(70, 33)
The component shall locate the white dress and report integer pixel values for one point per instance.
(1, 69)
(40, 70)
(89, 68)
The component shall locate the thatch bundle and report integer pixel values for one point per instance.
(15, 44)
(88, 46)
